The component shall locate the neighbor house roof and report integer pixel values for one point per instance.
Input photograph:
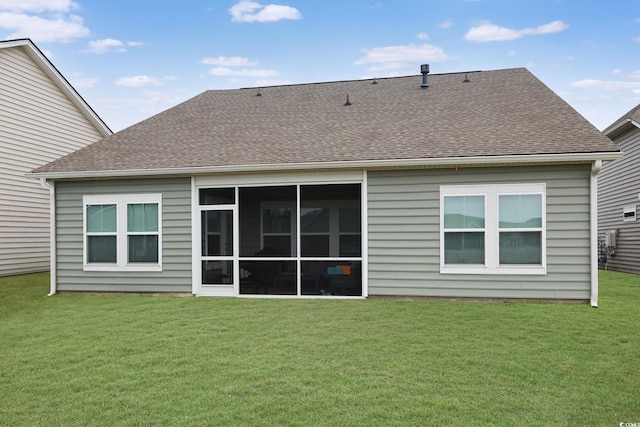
(628, 121)
(503, 114)
(59, 80)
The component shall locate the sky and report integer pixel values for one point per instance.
(131, 59)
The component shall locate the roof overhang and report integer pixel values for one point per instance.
(446, 162)
(621, 127)
(63, 84)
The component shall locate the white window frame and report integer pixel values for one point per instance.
(491, 193)
(630, 209)
(121, 201)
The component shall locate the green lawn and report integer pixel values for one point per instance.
(112, 360)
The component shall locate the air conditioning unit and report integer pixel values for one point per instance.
(610, 238)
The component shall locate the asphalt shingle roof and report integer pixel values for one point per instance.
(496, 113)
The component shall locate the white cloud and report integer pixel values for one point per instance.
(110, 45)
(229, 61)
(61, 29)
(235, 67)
(608, 85)
(83, 82)
(489, 32)
(244, 72)
(422, 36)
(396, 57)
(446, 24)
(105, 45)
(139, 81)
(635, 75)
(250, 11)
(37, 6)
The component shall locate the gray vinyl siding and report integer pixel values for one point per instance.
(619, 186)
(404, 234)
(38, 124)
(176, 237)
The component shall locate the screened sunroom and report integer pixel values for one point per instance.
(280, 239)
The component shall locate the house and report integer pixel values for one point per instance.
(619, 198)
(464, 185)
(42, 118)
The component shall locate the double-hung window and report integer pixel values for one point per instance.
(123, 232)
(493, 229)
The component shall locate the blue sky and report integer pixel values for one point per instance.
(133, 59)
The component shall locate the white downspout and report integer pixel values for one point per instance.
(52, 235)
(597, 165)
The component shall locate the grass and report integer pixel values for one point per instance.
(116, 360)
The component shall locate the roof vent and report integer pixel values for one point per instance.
(347, 103)
(466, 78)
(259, 93)
(374, 82)
(424, 69)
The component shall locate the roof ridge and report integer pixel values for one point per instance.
(366, 79)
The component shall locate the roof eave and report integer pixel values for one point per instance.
(357, 164)
(621, 127)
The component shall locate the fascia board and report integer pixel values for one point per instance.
(359, 164)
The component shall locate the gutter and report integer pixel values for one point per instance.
(354, 164)
(595, 170)
(52, 236)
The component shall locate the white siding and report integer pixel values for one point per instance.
(619, 186)
(404, 234)
(38, 124)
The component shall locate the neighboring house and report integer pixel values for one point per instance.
(619, 198)
(465, 185)
(41, 119)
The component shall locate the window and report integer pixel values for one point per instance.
(520, 228)
(629, 213)
(350, 231)
(122, 232)
(464, 229)
(315, 233)
(493, 229)
(277, 236)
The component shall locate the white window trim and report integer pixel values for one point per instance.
(121, 201)
(629, 209)
(491, 193)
